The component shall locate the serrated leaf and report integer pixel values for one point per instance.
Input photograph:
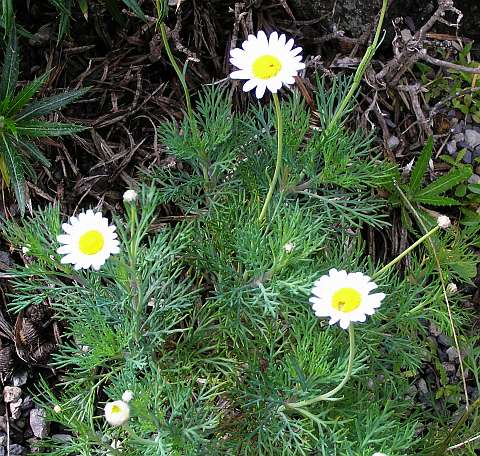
(14, 166)
(7, 14)
(437, 200)
(446, 182)
(47, 105)
(25, 95)
(10, 68)
(39, 129)
(32, 150)
(420, 167)
(135, 7)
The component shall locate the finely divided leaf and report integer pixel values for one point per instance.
(446, 182)
(10, 69)
(39, 129)
(47, 105)
(14, 166)
(420, 167)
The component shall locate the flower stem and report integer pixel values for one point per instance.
(327, 396)
(405, 252)
(188, 102)
(278, 165)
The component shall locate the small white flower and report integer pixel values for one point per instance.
(117, 413)
(130, 196)
(57, 408)
(379, 454)
(344, 297)
(443, 222)
(288, 247)
(89, 241)
(452, 288)
(266, 63)
(127, 396)
(25, 250)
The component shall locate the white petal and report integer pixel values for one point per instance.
(274, 85)
(289, 45)
(273, 39)
(240, 74)
(237, 53)
(64, 249)
(249, 85)
(282, 40)
(344, 323)
(262, 38)
(260, 90)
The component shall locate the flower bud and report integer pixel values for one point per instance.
(443, 222)
(130, 196)
(127, 396)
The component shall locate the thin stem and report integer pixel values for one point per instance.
(326, 396)
(405, 252)
(278, 165)
(191, 116)
(360, 70)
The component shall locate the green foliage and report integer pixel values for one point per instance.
(206, 317)
(19, 123)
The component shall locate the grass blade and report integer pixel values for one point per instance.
(39, 129)
(47, 105)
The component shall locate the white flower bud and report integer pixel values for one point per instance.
(130, 196)
(452, 288)
(117, 413)
(379, 454)
(25, 250)
(288, 247)
(443, 222)
(127, 396)
(57, 408)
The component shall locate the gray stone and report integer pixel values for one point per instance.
(472, 138)
(3, 438)
(444, 340)
(393, 142)
(450, 368)
(463, 145)
(422, 386)
(434, 331)
(467, 157)
(20, 378)
(453, 354)
(452, 147)
(2, 451)
(17, 450)
(11, 393)
(458, 137)
(474, 179)
(38, 423)
(16, 409)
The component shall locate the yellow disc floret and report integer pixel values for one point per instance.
(91, 242)
(116, 409)
(266, 67)
(346, 299)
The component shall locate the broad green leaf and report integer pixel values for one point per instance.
(25, 95)
(135, 7)
(47, 105)
(39, 129)
(438, 200)
(475, 188)
(446, 182)
(14, 167)
(10, 68)
(420, 166)
(32, 150)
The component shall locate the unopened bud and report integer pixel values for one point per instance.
(130, 196)
(452, 288)
(443, 222)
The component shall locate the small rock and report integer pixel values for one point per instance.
(458, 137)
(38, 424)
(62, 438)
(2, 451)
(472, 138)
(422, 386)
(393, 142)
(474, 179)
(20, 378)
(15, 409)
(459, 373)
(11, 393)
(450, 368)
(452, 147)
(434, 331)
(453, 354)
(412, 391)
(444, 340)
(463, 145)
(3, 438)
(467, 157)
(27, 403)
(17, 450)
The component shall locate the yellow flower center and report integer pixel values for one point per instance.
(346, 299)
(116, 409)
(266, 67)
(91, 242)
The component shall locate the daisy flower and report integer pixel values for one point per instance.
(266, 63)
(344, 297)
(117, 413)
(88, 242)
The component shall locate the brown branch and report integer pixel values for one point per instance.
(450, 65)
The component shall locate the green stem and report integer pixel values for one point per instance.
(405, 252)
(326, 396)
(191, 117)
(278, 165)
(370, 52)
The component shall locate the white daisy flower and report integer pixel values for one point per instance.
(117, 413)
(266, 63)
(89, 241)
(344, 297)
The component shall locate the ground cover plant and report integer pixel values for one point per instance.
(254, 321)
